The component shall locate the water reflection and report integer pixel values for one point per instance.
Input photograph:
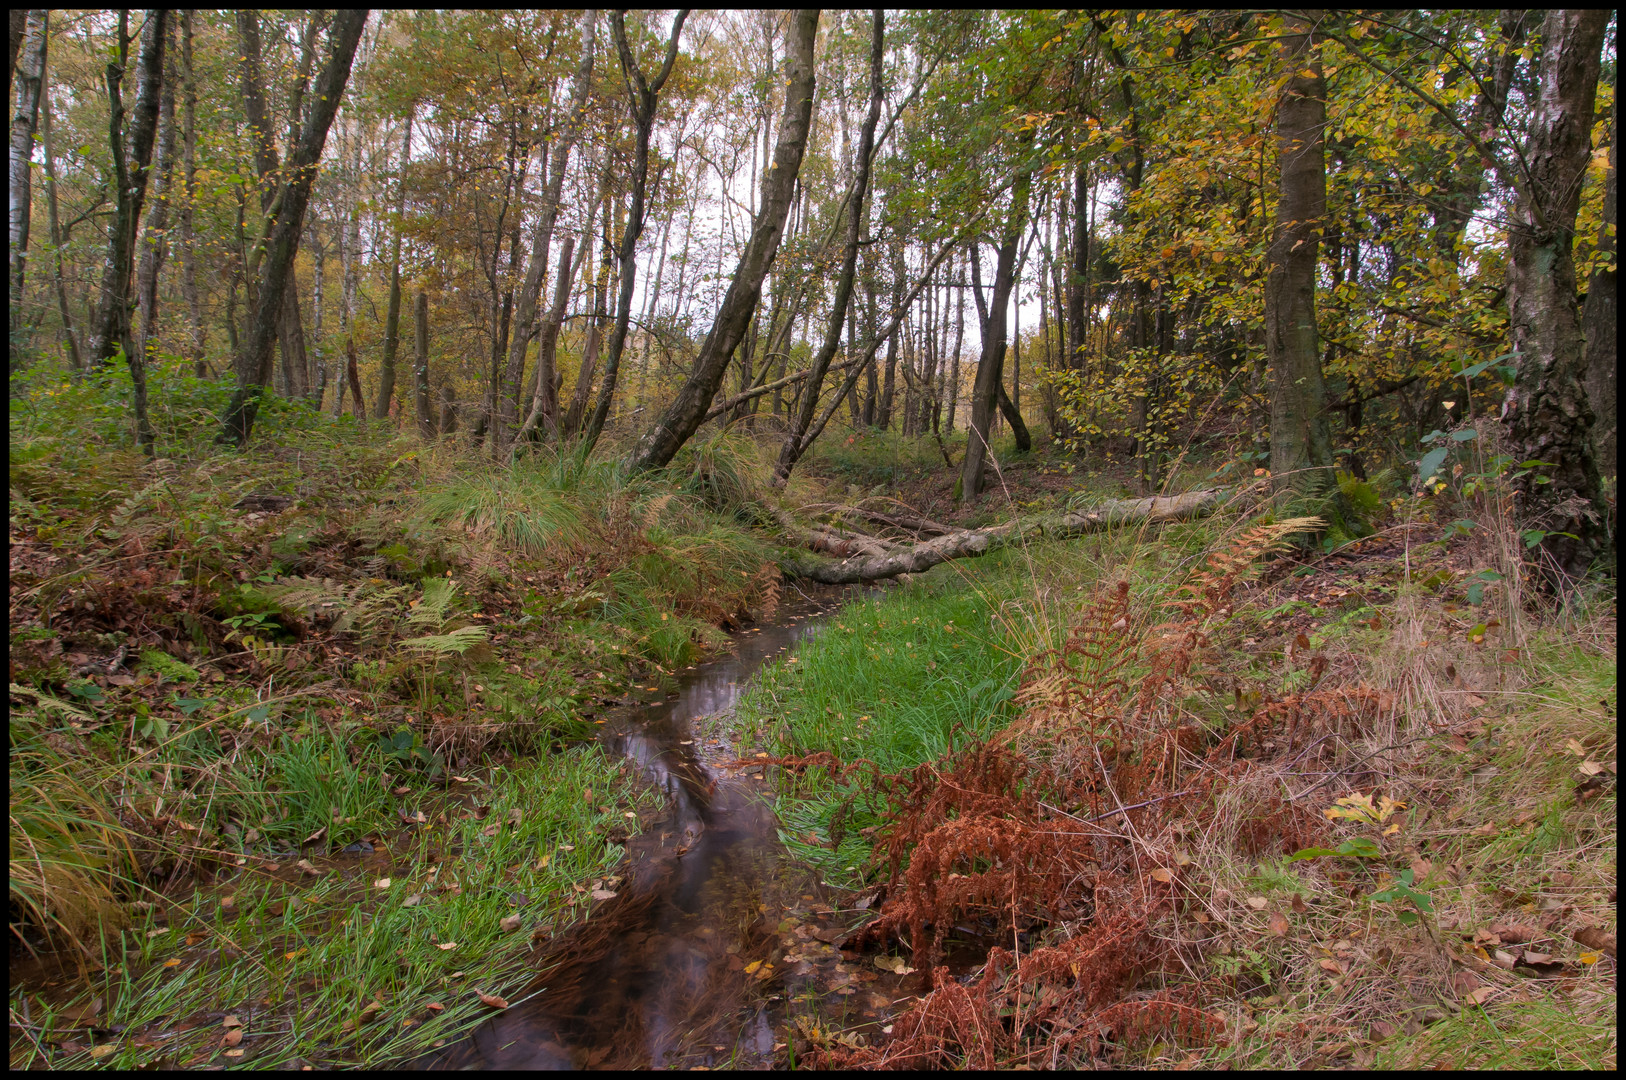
(677, 967)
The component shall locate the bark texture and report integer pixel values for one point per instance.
(1300, 441)
(30, 64)
(1547, 414)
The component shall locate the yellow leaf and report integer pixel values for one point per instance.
(1160, 874)
(751, 968)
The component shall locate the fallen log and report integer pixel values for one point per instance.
(874, 565)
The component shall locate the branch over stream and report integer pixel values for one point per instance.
(870, 558)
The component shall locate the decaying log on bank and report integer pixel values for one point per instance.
(872, 559)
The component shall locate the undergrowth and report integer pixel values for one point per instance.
(285, 675)
(1222, 824)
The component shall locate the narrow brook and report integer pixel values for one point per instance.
(716, 935)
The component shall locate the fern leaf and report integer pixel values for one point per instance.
(452, 642)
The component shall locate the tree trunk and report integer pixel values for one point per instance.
(24, 118)
(189, 197)
(1598, 320)
(132, 157)
(524, 328)
(544, 399)
(392, 318)
(683, 416)
(420, 367)
(353, 377)
(155, 238)
(869, 559)
(59, 239)
(645, 97)
(794, 446)
(1300, 442)
(595, 331)
(253, 359)
(953, 394)
(1547, 413)
(986, 390)
(19, 27)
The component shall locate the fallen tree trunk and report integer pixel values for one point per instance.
(870, 561)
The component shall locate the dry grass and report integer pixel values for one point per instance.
(1497, 742)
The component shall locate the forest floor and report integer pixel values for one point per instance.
(300, 767)
(1371, 800)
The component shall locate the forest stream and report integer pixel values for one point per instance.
(715, 937)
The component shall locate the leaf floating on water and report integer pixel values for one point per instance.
(602, 894)
(751, 968)
(232, 1037)
(493, 1000)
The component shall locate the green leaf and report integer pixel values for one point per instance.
(259, 713)
(1359, 847)
(1431, 463)
(1465, 435)
(190, 705)
(1532, 537)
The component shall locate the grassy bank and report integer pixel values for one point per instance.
(1370, 802)
(299, 760)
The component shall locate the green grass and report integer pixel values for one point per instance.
(896, 680)
(299, 960)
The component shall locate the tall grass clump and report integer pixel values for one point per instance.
(68, 850)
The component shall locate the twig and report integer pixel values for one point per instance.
(1347, 768)
(1114, 813)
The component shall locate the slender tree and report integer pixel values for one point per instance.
(524, 328)
(253, 360)
(987, 389)
(1598, 320)
(794, 445)
(24, 119)
(684, 416)
(643, 96)
(392, 317)
(132, 157)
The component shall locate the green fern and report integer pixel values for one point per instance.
(453, 642)
(437, 599)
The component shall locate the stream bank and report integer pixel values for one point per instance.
(713, 931)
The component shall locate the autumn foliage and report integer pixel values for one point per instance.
(1071, 822)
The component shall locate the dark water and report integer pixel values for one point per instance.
(715, 937)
